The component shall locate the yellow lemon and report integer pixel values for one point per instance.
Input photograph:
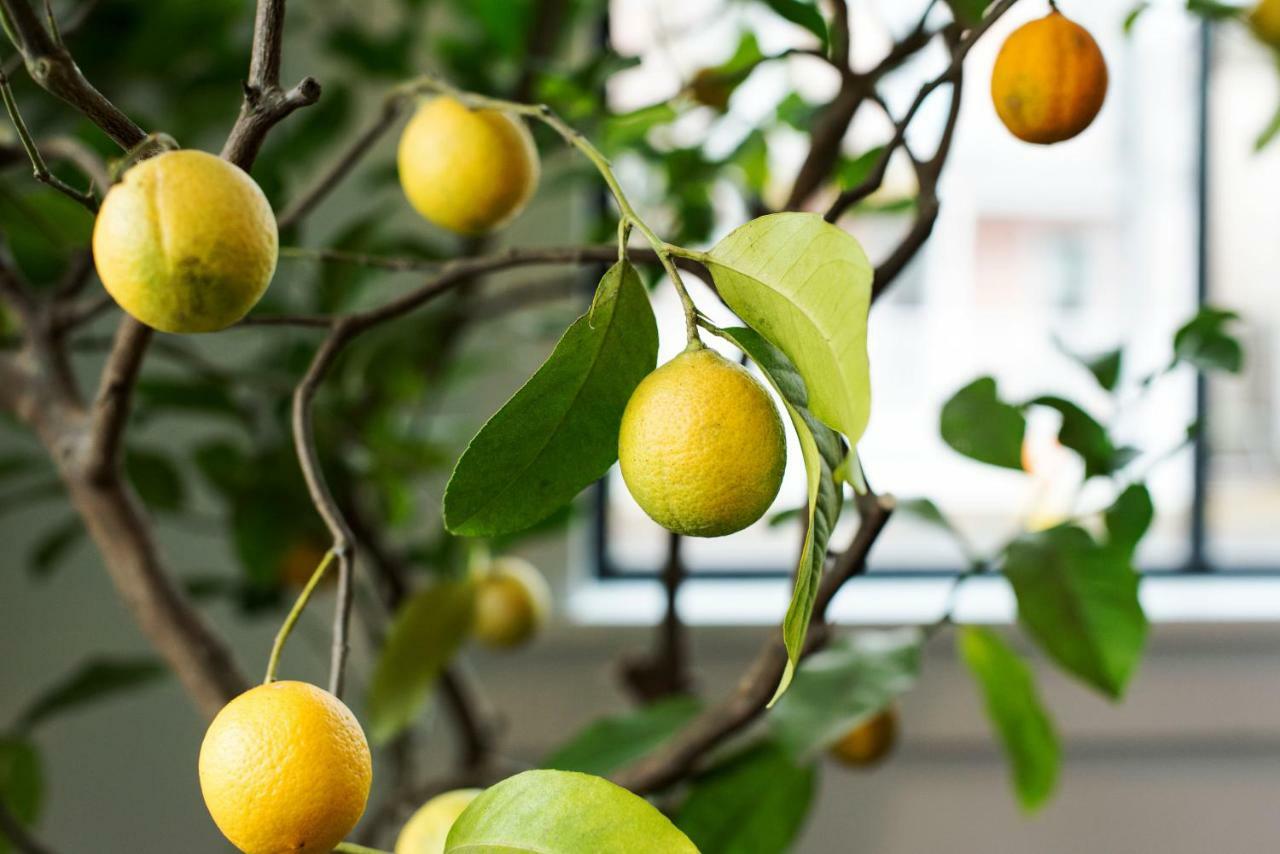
(701, 446)
(285, 767)
(512, 603)
(1049, 80)
(1264, 20)
(869, 742)
(469, 171)
(186, 242)
(428, 828)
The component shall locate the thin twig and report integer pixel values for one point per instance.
(38, 166)
(273, 661)
(682, 754)
(393, 105)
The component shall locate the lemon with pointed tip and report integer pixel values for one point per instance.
(1049, 80)
(868, 743)
(512, 603)
(285, 767)
(701, 446)
(470, 171)
(186, 242)
(428, 828)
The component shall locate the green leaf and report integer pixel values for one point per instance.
(852, 171)
(1205, 343)
(804, 13)
(563, 812)
(1132, 16)
(976, 423)
(820, 446)
(55, 546)
(1212, 10)
(1020, 719)
(425, 634)
(968, 12)
(1128, 519)
(805, 286)
(614, 742)
(94, 680)
(1083, 434)
(21, 782)
(157, 480)
(560, 431)
(1079, 601)
(754, 803)
(1104, 366)
(1268, 132)
(843, 685)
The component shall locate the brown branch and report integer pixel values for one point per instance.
(265, 102)
(665, 671)
(53, 69)
(682, 755)
(393, 106)
(115, 394)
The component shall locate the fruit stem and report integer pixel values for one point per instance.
(629, 217)
(287, 626)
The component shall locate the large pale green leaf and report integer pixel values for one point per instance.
(94, 680)
(820, 446)
(426, 632)
(839, 687)
(563, 812)
(754, 803)
(560, 431)
(805, 285)
(1014, 706)
(978, 424)
(611, 743)
(1079, 601)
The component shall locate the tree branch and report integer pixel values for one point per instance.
(681, 756)
(38, 166)
(265, 103)
(665, 671)
(393, 106)
(51, 66)
(115, 395)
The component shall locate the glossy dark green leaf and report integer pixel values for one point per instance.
(1205, 342)
(560, 431)
(425, 633)
(753, 803)
(21, 782)
(977, 423)
(1128, 518)
(804, 13)
(94, 680)
(156, 478)
(563, 812)
(1082, 433)
(1020, 719)
(614, 742)
(823, 453)
(837, 688)
(1079, 601)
